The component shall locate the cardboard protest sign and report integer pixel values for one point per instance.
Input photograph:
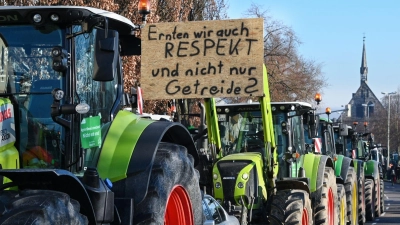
(203, 59)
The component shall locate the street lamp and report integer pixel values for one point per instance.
(388, 125)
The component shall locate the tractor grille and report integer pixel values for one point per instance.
(229, 171)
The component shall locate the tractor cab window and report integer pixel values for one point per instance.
(374, 155)
(298, 134)
(100, 96)
(27, 80)
(241, 131)
(361, 150)
(281, 138)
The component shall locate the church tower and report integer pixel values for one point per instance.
(364, 67)
(363, 103)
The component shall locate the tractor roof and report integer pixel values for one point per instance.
(67, 15)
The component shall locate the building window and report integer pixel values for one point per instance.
(360, 111)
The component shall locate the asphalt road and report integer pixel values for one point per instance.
(392, 206)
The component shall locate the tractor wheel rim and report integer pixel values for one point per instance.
(354, 205)
(330, 207)
(342, 212)
(304, 218)
(179, 208)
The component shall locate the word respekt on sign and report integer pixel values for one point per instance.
(203, 59)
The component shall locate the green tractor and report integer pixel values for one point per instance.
(261, 167)
(240, 164)
(69, 154)
(293, 123)
(345, 171)
(347, 145)
(374, 183)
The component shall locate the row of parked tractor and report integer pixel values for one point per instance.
(71, 155)
(280, 162)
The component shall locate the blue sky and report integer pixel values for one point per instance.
(332, 33)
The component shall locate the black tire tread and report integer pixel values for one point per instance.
(369, 200)
(382, 195)
(320, 209)
(172, 166)
(44, 207)
(287, 207)
(342, 195)
(349, 184)
(361, 199)
(377, 198)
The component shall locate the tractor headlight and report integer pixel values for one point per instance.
(54, 17)
(215, 176)
(218, 185)
(245, 176)
(37, 18)
(240, 185)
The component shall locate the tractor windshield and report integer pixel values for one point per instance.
(283, 140)
(27, 80)
(240, 131)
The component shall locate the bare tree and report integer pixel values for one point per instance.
(291, 76)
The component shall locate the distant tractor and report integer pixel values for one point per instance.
(258, 176)
(346, 143)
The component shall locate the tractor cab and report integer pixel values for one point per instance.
(343, 136)
(53, 71)
(289, 130)
(239, 174)
(240, 127)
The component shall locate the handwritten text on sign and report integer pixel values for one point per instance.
(202, 59)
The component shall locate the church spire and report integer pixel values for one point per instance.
(364, 68)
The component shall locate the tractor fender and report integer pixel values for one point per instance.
(342, 165)
(324, 162)
(372, 170)
(57, 180)
(359, 165)
(314, 166)
(138, 170)
(293, 183)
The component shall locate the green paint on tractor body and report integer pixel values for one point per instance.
(119, 145)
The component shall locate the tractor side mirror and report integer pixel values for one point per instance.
(313, 124)
(105, 55)
(343, 131)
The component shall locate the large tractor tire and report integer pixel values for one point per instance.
(291, 207)
(377, 199)
(382, 195)
(40, 207)
(369, 200)
(350, 186)
(326, 210)
(342, 206)
(174, 196)
(361, 201)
